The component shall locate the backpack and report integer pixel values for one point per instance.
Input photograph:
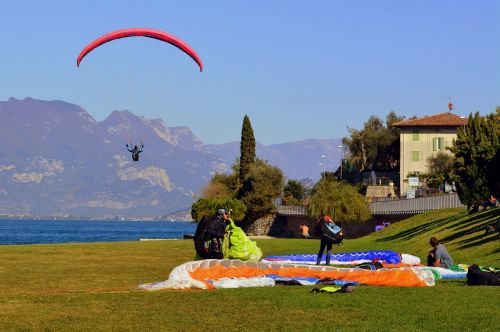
(481, 276)
(332, 232)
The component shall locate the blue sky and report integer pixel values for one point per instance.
(299, 69)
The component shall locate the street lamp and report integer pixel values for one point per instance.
(341, 147)
(323, 164)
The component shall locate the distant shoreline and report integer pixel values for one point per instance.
(29, 231)
(91, 219)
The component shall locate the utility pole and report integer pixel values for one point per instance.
(324, 165)
(341, 159)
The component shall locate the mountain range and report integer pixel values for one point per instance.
(56, 159)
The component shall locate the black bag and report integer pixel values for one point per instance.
(330, 235)
(477, 276)
(374, 265)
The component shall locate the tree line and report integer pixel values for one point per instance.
(253, 188)
(473, 164)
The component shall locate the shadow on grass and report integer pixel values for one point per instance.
(420, 229)
(464, 225)
(468, 223)
(490, 214)
(473, 229)
(476, 223)
(478, 240)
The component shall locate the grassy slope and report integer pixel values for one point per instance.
(463, 235)
(92, 287)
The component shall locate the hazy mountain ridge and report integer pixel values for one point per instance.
(297, 160)
(60, 160)
(57, 159)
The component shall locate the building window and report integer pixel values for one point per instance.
(415, 136)
(438, 143)
(415, 155)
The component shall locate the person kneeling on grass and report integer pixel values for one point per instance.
(439, 256)
(210, 234)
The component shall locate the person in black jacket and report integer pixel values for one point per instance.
(135, 151)
(330, 234)
(209, 235)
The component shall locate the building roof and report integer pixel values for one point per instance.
(441, 119)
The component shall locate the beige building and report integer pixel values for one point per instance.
(422, 138)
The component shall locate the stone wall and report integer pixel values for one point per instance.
(261, 226)
(288, 226)
(380, 192)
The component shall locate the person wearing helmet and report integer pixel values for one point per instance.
(135, 151)
(209, 235)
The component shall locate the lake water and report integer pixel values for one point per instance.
(66, 231)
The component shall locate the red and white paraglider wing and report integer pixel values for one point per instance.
(141, 32)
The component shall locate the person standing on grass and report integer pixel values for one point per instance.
(304, 231)
(330, 234)
(439, 256)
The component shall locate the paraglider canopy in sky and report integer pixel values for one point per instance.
(141, 32)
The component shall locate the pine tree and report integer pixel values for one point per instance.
(493, 171)
(247, 153)
(264, 184)
(475, 149)
(376, 146)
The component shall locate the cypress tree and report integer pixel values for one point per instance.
(247, 153)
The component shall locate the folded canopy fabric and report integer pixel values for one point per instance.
(206, 274)
(348, 258)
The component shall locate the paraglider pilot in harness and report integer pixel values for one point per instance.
(209, 235)
(135, 150)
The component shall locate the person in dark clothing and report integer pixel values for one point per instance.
(135, 151)
(209, 235)
(330, 234)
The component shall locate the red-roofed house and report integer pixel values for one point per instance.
(422, 138)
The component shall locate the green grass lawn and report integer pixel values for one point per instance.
(92, 287)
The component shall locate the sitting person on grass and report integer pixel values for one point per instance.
(439, 256)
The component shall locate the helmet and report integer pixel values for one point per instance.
(221, 212)
(327, 218)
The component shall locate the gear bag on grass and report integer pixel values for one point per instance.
(483, 276)
(346, 288)
(237, 245)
